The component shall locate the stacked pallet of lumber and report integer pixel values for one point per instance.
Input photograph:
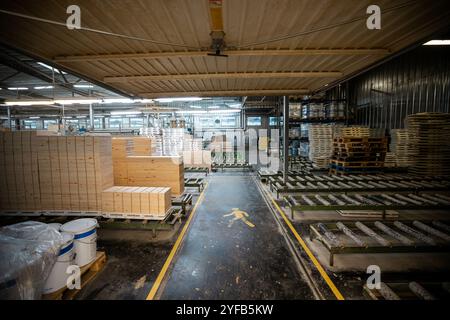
(46, 172)
(320, 144)
(145, 170)
(429, 135)
(136, 200)
(358, 154)
(399, 147)
(359, 132)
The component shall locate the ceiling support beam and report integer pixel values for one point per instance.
(236, 75)
(226, 93)
(237, 53)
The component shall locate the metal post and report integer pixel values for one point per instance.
(91, 117)
(103, 123)
(9, 118)
(285, 137)
(148, 120)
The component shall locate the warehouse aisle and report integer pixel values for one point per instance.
(234, 249)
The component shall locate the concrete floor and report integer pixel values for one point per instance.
(221, 261)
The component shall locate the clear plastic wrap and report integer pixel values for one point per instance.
(28, 251)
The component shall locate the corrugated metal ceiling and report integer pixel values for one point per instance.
(187, 23)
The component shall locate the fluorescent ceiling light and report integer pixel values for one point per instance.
(196, 107)
(17, 88)
(118, 113)
(437, 43)
(235, 105)
(43, 87)
(28, 103)
(192, 112)
(34, 117)
(213, 107)
(227, 111)
(81, 86)
(117, 100)
(167, 100)
(81, 117)
(77, 101)
(50, 67)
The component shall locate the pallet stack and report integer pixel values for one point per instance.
(320, 144)
(429, 135)
(42, 172)
(358, 155)
(399, 147)
(136, 200)
(144, 170)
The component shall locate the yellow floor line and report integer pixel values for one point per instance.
(311, 256)
(174, 250)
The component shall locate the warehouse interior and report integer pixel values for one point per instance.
(224, 150)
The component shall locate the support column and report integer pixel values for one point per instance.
(91, 117)
(104, 123)
(9, 118)
(285, 137)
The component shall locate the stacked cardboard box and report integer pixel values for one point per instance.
(41, 171)
(137, 200)
(146, 171)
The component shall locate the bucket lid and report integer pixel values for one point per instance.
(79, 225)
(67, 238)
(55, 225)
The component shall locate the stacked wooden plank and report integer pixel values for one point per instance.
(399, 147)
(358, 154)
(429, 135)
(136, 200)
(53, 173)
(320, 144)
(193, 153)
(145, 170)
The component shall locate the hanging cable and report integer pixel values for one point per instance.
(335, 25)
(20, 15)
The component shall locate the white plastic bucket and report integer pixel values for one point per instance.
(58, 276)
(55, 225)
(85, 239)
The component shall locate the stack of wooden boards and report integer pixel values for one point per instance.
(358, 155)
(42, 172)
(429, 147)
(143, 170)
(320, 144)
(136, 200)
(193, 153)
(399, 147)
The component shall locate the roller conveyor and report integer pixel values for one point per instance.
(376, 237)
(381, 201)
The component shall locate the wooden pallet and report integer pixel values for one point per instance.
(88, 273)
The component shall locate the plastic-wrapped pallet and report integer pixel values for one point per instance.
(320, 144)
(28, 251)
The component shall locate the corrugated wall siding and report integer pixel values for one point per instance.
(418, 81)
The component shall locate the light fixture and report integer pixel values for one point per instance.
(437, 43)
(34, 117)
(196, 107)
(50, 67)
(192, 112)
(168, 100)
(235, 105)
(213, 107)
(227, 111)
(17, 88)
(124, 113)
(77, 101)
(43, 87)
(28, 103)
(83, 86)
(81, 117)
